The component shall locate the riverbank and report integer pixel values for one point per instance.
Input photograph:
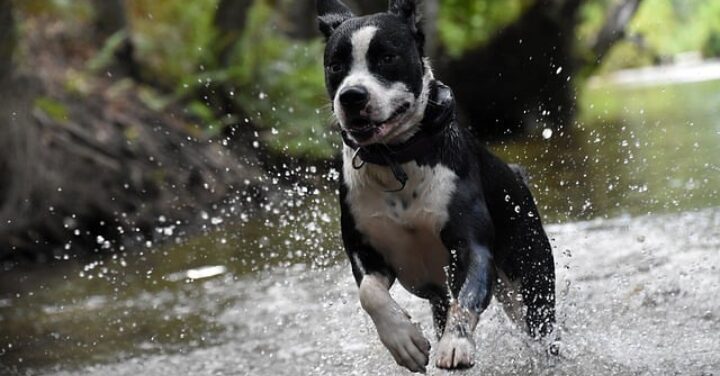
(685, 71)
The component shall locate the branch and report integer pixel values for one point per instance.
(111, 20)
(613, 30)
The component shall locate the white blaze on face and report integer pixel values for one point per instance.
(384, 100)
(360, 72)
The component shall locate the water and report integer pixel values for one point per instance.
(637, 257)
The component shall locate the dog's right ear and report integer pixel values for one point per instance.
(331, 13)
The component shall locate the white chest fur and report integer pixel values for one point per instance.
(403, 226)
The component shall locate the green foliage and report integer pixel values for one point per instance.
(464, 24)
(592, 15)
(625, 55)
(52, 108)
(665, 27)
(279, 84)
(106, 56)
(282, 86)
(172, 37)
(276, 81)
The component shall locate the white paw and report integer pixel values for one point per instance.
(405, 342)
(454, 352)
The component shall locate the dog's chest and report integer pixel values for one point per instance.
(404, 227)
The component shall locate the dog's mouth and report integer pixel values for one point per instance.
(362, 129)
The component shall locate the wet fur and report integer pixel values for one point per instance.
(463, 219)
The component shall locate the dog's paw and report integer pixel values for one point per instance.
(405, 342)
(455, 352)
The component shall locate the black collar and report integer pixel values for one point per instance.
(439, 113)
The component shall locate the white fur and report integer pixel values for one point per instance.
(456, 348)
(454, 351)
(397, 332)
(384, 100)
(403, 226)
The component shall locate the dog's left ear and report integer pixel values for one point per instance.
(407, 10)
(331, 13)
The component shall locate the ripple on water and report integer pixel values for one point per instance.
(634, 297)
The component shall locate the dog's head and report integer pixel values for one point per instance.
(375, 72)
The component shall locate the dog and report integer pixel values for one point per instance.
(421, 201)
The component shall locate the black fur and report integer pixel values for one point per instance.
(331, 14)
(400, 40)
(494, 225)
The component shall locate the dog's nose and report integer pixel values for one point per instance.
(354, 97)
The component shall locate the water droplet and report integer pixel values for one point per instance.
(547, 133)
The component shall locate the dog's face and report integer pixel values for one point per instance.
(375, 73)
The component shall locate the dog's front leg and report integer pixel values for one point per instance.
(374, 277)
(397, 332)
(456, 348)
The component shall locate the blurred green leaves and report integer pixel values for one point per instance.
(172, 37)
(278, 82)
(52, 108)
(661, 29)
(464, 24)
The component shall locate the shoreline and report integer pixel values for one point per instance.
(679, 73)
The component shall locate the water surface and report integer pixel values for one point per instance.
(270, 293)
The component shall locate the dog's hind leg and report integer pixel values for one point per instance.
(522, 252)
(526, 271)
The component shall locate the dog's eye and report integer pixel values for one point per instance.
(388, 59)
(335, 68)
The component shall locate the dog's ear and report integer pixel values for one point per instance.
(407, 10)
(331, 13)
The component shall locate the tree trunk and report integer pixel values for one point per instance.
(109, 17)
(7, 38)
(301, 20)
(613, 30)
(111, 21)
(230, 20)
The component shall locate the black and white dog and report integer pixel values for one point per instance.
(421, 201)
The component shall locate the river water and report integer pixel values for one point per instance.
(631, 197)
